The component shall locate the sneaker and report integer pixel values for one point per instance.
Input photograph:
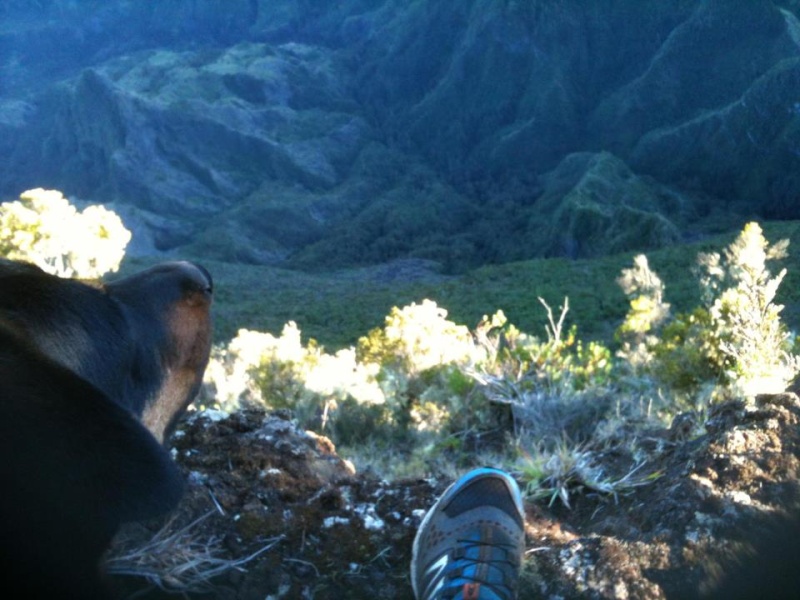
(470, 544)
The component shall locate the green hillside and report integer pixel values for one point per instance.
(337, 308)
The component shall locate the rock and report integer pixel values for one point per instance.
(281, 513)
(267, 487)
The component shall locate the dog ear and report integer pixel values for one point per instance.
(168, 307)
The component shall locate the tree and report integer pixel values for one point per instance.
(43, 228)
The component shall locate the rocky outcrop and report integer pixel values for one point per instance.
(273, 511)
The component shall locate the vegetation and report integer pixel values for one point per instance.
(177, 558)
(422, 386)
(428, 388)
(338, 307)
(43, 228)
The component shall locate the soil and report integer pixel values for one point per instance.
(303, 524)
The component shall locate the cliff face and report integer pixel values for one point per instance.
(514, 86)
(273, 131)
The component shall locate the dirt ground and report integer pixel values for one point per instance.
(272, 512)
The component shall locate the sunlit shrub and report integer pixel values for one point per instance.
(647, 312)
(419, 379)
(554, 387)
(428, 385)
(282, 372)
(739, 292)
(425, 361)
(733, 345)
(418, 337)
(663, 361)
(688, 356)
(559, 362)
(43, 228)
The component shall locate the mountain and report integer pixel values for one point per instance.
(320, 134)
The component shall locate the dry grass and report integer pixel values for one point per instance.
(177, 560)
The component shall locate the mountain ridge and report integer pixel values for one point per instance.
(321, 137)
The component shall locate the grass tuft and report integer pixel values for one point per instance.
(177, 560)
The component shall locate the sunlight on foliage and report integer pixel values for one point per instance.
(43, 228)
(562, 362)
(687, 359)
(419, 337)
(646, 314)
(281, 372)
(735, 345)
(424, 363)
(427, 389)
(739, 292)
(412, 372)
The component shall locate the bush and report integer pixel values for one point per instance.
(418, 337)
(647, 312)
(424, 363)
(432, 387)
(280, 372)
(43, 228)
(560, 363)
(734, 345)
(739, 292)
(687, 357)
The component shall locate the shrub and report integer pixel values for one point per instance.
(416, 338)
(561, 362)
(664, 360)
(733, 345)
(430, 386)
(281, 372)
(554, 387)
(687, 357)
(647, 312)
(739, 292)
(424, 362)
(43, 228)
(410, 381)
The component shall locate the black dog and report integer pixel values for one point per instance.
(92, 379)
(143, 340)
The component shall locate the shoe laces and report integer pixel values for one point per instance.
(480, 569)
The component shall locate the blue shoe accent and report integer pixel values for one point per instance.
(470, 543)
